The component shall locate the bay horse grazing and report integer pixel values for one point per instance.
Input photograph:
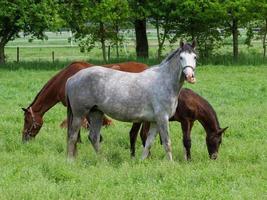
(191, 107)
(53, 92)
(151, 96)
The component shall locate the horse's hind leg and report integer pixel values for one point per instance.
(95, 118)
(133, 135)
(149, 140)
(163, 126)
(73, 135)
(144, 132)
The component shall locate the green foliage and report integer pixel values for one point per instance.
(39, 170)
(139, 9)
(236, 15)
(30, 16)
(106, 21)
(96, 21)
(201, 20)
(33, 17)
(250, 35)
(162, 15)
(259, 12)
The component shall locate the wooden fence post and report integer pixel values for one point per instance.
(53, 56)
(17, 54)
(108, 52)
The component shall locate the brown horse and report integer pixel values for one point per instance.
(191, 107)
(54, 91)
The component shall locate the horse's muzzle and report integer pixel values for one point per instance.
(214, 156)
(26, 138)
(189, 74)
(190, 79)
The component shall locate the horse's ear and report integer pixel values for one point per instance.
(222, 130)
(24, 109)
(181, 43)
(194, 44)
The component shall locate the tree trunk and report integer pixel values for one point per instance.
(141, 38)
(102, 40)
(117, 41)
(161, 40)
(158, 36)
(264, 39)
(235, 38)
(2, 54)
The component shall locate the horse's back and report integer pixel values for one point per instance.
(63, 75)
(134, 67)
(190, 104)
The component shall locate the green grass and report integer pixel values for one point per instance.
(39, 170)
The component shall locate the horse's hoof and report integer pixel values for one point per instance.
(188, 160)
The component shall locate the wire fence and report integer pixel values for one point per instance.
(62, 46)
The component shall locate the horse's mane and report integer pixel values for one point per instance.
(49, 83)
(185, 47)
(213, 111)
(171, 55)
(210, 108)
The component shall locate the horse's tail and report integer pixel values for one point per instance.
(69, 112)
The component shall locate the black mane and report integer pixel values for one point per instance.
(186, 47)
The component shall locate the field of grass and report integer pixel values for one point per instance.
(39, 170)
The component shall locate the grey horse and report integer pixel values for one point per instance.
(151, 96)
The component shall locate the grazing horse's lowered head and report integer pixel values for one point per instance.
(32, 124)
(213, 141)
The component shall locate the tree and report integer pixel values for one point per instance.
(236, 15)
(139, 19)
(258, 8)
(200, 21)
(161, 14)
(29, 16)
(95, 21)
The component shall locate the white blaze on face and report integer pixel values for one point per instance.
(188, 62)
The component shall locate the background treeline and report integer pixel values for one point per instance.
(104, 22)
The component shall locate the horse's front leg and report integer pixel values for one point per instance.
(96, 119)
(163, 126)
(186, 127)
(149, 140)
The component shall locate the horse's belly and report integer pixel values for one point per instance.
(128, 114)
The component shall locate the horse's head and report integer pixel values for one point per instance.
(32, 124)
(188, 61)
(213, 141)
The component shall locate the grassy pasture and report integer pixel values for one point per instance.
(38, 170)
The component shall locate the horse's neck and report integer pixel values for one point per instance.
(208, 118)
(171, 71)
(44, 101)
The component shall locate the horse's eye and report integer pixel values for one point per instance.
(195, 57)
(181, 58)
